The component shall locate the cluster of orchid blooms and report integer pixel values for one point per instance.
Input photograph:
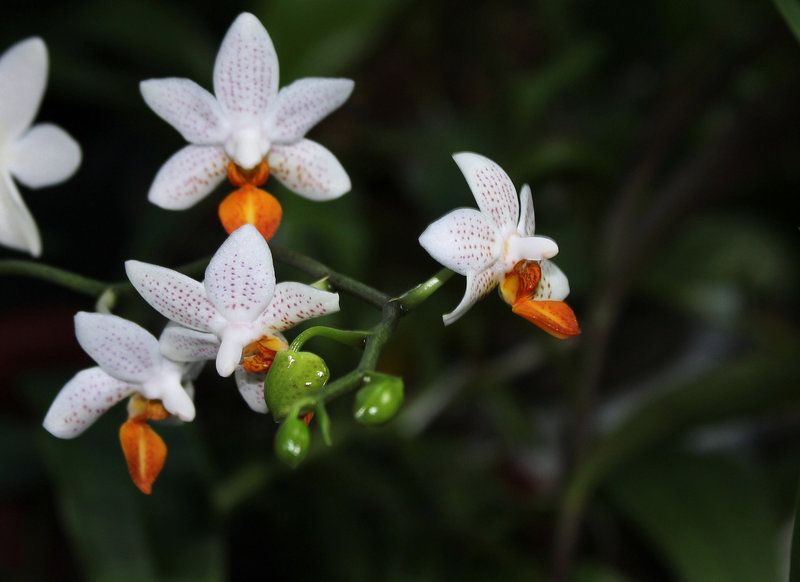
(247, 130)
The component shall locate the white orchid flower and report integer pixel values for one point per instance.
(189, 345)
(238, 301)
(247, 121)
(129, 362)
(38, 156)
(485, 245)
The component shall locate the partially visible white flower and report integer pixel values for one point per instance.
(129, 361)
(238, 301)
(38, 156)
(248, 121)
(485, 245)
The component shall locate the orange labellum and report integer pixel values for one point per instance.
(240, 177)
(250, 205)
(555, 317)
(521, 281)
(144, 451)
(307, 417)
(258, 356)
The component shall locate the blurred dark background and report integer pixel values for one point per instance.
(661, 143)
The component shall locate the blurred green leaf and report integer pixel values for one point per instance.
(716, 262)
(794, 568)
(323, 37)
(120, 534)
(98, 507)
(708, 516)
(536, 92)
(764, 381)
(790, 10)
(588, 572)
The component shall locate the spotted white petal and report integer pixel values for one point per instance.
(188, 177)
(17, 227)
(531, 248)
(309, 169)
(293, 303)
(43, 156)
(478, 285)
(527, 220)
(187, 107)
(246, 71)
(187, 345)
(553, 285)
(174, 295)
(464, 240)
(493, 189)
(301, 105)
(82, 400)
(120, 347)
(240, 278)
(23, 76)
(251, 387)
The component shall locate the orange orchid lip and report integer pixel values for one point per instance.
(145, 453)
(554, 317)
(251, 205)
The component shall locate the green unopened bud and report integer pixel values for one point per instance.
(379, 400)
(292, 376)
(292, 441)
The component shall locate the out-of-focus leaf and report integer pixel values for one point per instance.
(322, 37)
(587, 572)
(764, 381)
(707, 516)
(17, 454)
(794, 569)
(98, 506)
(717, 261)
(790, 10)
(119, 534)
(536, 92)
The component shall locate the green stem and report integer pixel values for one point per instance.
(411, 299)
(337, 280)
(55, 275)
(351, 338)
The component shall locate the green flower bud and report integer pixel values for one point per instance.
(292, 441)
(292, 376)
(379, 400)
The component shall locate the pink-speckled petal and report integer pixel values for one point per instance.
(309, 169)
(553, 285)
(246, 70)
(175, 296)
(251, 387)
(120, 347)
(240, 278)
(301, 105)
(188, 177)
(82, 400)
(493, 189)
(464, 240)
(478, 285)
(187, 345)
(527, 220)
(187, 107)
(293, 303)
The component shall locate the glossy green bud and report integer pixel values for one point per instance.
(379, 400)
(292, 376)
(292, 441)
